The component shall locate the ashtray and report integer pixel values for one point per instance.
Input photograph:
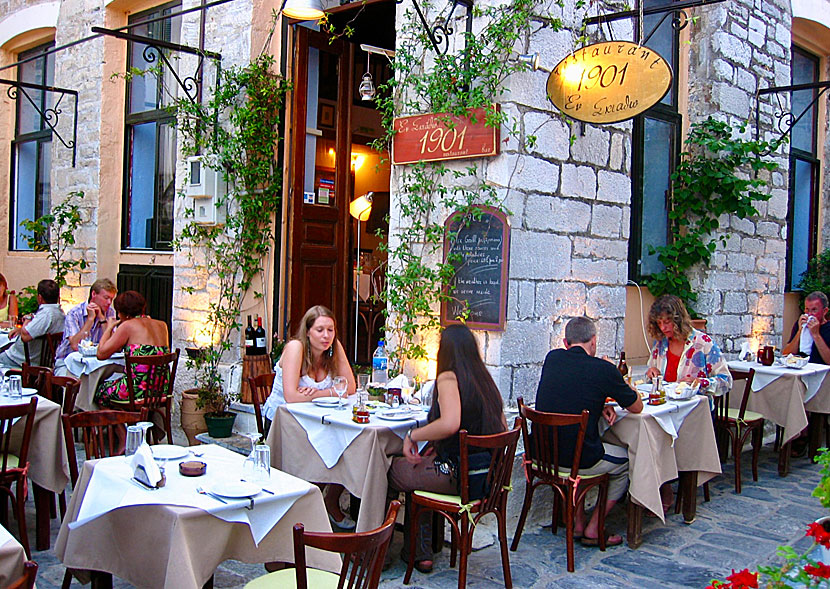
(192, 468)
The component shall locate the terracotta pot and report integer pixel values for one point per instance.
(193, 419)
(699, 324)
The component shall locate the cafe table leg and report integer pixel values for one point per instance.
(784, 459)
(688, 482)
(635, 524)
(43, 505)
(101, 580)
(815, 424)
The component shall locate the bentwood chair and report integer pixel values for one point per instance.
(33, 377)
(48, 347)
(15, 465)
(739, 424)
(27, 581)
(62, 390)
(260, 389)
(363, 555)
(542, 466)
(463, 512)
(157, 374)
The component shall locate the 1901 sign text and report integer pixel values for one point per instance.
(425, 138)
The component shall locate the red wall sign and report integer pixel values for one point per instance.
(426, 138)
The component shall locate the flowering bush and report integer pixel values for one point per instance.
(798, 569)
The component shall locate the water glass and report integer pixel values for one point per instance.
(262, 470)
(426, 396)
(362, 381)
(340, 385)
(4, 386)
(134, 437)
(15, 387)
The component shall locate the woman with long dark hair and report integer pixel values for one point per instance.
(466, 398)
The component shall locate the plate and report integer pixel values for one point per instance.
(235, 489)
(325, 401)
(27, 392)
(168, 451)
(396, 414)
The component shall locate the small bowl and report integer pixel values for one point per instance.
(192, 468)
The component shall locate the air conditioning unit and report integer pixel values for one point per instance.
(207, 188)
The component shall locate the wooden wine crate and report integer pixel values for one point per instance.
(253, 366)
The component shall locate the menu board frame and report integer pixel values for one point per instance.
(470, 235)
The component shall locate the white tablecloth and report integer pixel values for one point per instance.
(78, 364)
(668, 416)
(110, 488)
(12, 557)
(812, 375)
(330, 431)
(5, 342)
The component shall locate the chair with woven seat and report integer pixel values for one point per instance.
(260, 389)
(14, 466)
(542, 466)
(159, 373)
(48, 347)
(363, 555)
(739, 424)
(27, 581)
(462, 512)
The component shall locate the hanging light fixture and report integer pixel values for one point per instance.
(303, 9)
(367, 86)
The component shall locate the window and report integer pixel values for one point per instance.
(802, 219)
(655, 149)
(32, 146)
(150, 137)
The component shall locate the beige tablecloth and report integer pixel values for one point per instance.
(361, 469)
(12, 557)
(782, 400)
(167, 546)
(652, 459)
(89, 384)
(48, 465)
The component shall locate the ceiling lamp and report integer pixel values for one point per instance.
(367, 87)
(303, 9)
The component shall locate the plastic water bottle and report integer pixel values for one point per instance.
(380, 373)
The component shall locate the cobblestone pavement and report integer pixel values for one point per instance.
(731, 531)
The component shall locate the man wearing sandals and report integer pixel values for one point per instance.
(573, 380)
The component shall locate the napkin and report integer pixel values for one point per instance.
(745, 353)
(143, 460)
(805, 344)
(399, 382)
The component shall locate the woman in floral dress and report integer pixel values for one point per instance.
(136, 332)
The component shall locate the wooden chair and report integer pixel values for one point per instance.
(62, 390)
(27, 581)
(15, 467)
(159, 372)
(260, 389)
(33, 377)
(363, 556)
(463, 513)
(739, 424)
(48, 346)
(542, 467)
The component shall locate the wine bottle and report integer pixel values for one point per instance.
(622, 366)
(259, 338)
(249, 338)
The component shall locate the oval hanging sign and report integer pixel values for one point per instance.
(609, 82)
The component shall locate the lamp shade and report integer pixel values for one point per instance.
(303, 9)
(361, 207)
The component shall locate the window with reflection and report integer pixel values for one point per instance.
(655, 150)
(802, 219)
(149, 179)
(32, 144)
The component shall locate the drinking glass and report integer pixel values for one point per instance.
(249, 466)
(362, 381)
(426, 396)
(134, 437)
(15, 387)
(145, 427)
(339, 383)
(262, 463)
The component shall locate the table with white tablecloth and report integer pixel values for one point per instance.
(12, 557)
(91, 371)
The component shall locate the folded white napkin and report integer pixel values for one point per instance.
(143, 459)
(745, 353)
(398, 382)
(805, 344)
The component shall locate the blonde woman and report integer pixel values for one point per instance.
(8, 302)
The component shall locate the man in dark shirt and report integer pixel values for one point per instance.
(811, 333)
(573, 380)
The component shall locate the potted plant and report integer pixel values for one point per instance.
(211, 396)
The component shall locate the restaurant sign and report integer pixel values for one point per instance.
(609, 82)
(437, 136)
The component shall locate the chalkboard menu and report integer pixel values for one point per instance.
(479, 287)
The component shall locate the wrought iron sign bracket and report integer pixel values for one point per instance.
(153, 49)
(50, 116)
(440, 34)
(784, 119)
(678, 9)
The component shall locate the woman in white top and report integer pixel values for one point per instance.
(304, 372)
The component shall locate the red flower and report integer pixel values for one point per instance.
(706, 338)
(821, 570)
(743, 579)
(818, 532)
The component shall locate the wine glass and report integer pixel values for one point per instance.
(339, 384)
(249, 466)
(145, 426)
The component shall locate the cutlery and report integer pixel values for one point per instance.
(203, 491)
(264, 490)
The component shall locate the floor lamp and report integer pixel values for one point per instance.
(360, 208)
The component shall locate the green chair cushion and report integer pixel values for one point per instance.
(287, 579)
(748, 415)
(12, 461)
(452, 499)
(566, 473)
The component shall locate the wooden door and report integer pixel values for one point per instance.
(321, 178)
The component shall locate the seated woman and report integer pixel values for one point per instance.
(683, 354)
(133, 331)
(8, 302)
(466, 397)
(304, 372)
